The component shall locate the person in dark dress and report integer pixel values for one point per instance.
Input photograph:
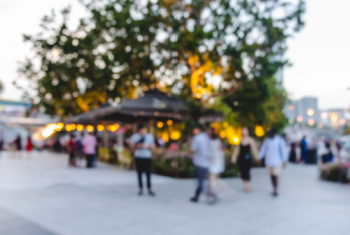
(245, 160)
(292, 153)
(18, 143)
(328, 157)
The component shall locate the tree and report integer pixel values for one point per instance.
(198, 49)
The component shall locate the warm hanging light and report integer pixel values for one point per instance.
(90, 128)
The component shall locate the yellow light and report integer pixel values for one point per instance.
(80, 127)
(216, 125)
(100, 127)
(47, 133)
(169, 122)
(49, 130)
(59, 126)
(90, 128)
(223, 134)
(236, 141)
(310, 112)
(299, 118)
(259, 131)
(165, 137)
(73, 126)
(68, 128)
(160, 124)
(334, 118)
(113, 128)
(311, 122)
(233, 135)
(198, 96)
(175, 135)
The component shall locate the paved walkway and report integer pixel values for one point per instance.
(39, 194)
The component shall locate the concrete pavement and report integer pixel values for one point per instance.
(39, 194)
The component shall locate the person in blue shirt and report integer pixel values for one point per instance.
(303, 148)
(142, 144)
(274, 150)
(201, 147)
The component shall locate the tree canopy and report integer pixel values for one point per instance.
(196, 49)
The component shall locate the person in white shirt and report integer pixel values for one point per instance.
(217, 164)
(275, 154)
(142, 144)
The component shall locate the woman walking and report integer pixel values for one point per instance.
(244, 152)
(217, 164)
(29, 146)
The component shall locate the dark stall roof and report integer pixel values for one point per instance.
(154, 104)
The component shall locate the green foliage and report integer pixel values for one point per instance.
(252, 105)
(181, 166)
(127, 46)
(335, 173)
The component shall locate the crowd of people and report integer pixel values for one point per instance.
(208, 152)
(315, 150)
(82, 146)
(209, 158)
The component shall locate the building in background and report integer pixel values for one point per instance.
(335, 118)
(21, 118)
(305, 111)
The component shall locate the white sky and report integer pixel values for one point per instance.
(319, 53)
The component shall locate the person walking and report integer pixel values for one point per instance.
(78, 149)
(201, 147)
(244, 152)
(293, 153)
(217, 164)
(70, 150)
(18, 143)
(142, 144)
(1, 141)
(275, 154)
(89, 145)
(29, 146)
(303, 149)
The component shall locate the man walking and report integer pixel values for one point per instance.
(304, 150)
(201, 146)
(142, 144)
(89, 146)
(275, 154)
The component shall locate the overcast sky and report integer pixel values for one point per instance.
(320, 53)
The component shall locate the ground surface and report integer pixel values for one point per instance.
(39, 194)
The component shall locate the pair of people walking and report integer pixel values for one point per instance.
(88, 145)
(273, 150)
(209, 157)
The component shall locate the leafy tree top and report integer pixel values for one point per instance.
(184, 47)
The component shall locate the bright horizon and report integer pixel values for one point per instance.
(318, 53)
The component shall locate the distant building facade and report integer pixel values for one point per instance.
(333, 117)
(305, 111)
